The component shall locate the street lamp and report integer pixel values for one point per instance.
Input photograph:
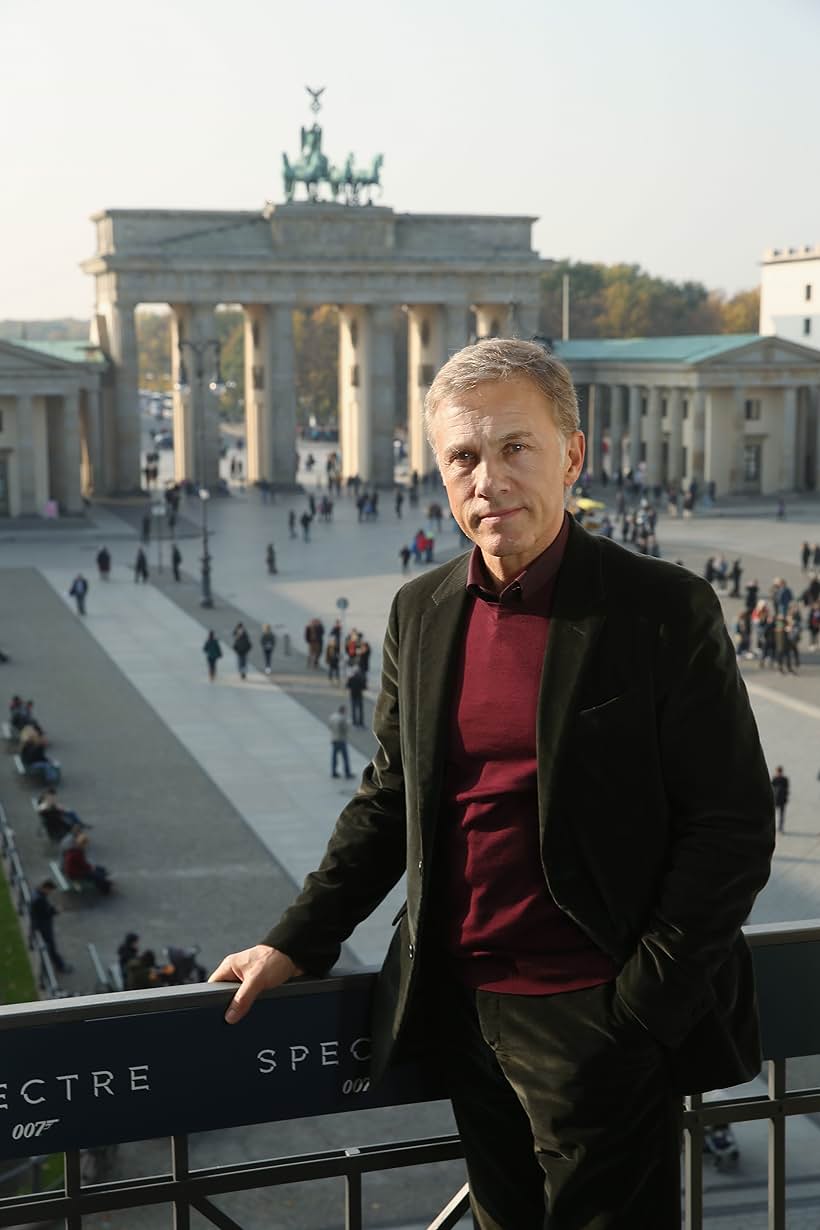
(200, 351)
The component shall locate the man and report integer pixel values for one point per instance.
(42, 914)
(176, 561)
(356, 685)
(571, 940)
(78, 591)
(338, 742)
(780, 790)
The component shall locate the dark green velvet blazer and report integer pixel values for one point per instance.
(655, 807)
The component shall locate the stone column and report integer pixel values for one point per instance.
(788, 440)
(270, 394)
(425, 355)
(26, 477)
(634, 428)
(737, 443)
(654, 438)
(196, 413)
(122, 339)
(616, 429)
(674, 410)
(454, 316)
(697, 413)
(91, 441)
(595, 430)
(382, 394)
(492, 319)
(70, 484)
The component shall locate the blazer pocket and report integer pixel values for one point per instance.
(612, 708)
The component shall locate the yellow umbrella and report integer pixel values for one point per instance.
(589, 505)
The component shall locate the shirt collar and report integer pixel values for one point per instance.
(530, 582)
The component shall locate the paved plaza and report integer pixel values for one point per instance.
(211, 802)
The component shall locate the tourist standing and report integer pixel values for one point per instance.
(42, 914)
(270, 559)
(338, 742)
(780, 790)
(356, 684)
(104, 563)
(141, 567)
(176, 561)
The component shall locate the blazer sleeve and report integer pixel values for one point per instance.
(366, 854)
(721, 816)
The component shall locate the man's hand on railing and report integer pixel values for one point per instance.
(259, 969)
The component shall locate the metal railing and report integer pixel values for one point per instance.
(20, 892)
(787, 961)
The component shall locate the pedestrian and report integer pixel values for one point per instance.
(404, 556)
(338, 742)
(213, 652)
(399, 501)
(314, 639)
(305, 521)
(356, 684)
(176, 561)
(104, 563)
(241, 647)
(805, 556)
(292, 523)
(780, 790)
(332, 658)
(736, 573)
(141, 567)
(571, 948)
(42, 913)
(270, 559)
(127, 951)
(268, 643)
(78, 591)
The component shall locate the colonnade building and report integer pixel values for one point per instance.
(737, 410)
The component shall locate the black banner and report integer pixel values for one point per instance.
(107, 1079)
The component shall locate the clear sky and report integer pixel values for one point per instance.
(683, 137)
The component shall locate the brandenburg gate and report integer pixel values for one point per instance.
(366, 259)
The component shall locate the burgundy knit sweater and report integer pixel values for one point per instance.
(502, 927)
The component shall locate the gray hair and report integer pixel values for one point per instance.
(505, 358)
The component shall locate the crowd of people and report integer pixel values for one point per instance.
(771, 627)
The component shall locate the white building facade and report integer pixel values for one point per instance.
(790, 294)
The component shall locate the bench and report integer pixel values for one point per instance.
(23, 771)
(64, 885)
(103, 979)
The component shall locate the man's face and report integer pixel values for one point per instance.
(505, 470)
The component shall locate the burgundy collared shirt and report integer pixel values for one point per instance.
(501, 925)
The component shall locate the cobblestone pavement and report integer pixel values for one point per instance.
(157, 810)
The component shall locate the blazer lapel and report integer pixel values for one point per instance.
(442, 623)
(575, 624)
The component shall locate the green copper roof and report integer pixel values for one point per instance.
(68, 351)
(652, 349)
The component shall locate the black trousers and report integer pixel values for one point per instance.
(564, 1109)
